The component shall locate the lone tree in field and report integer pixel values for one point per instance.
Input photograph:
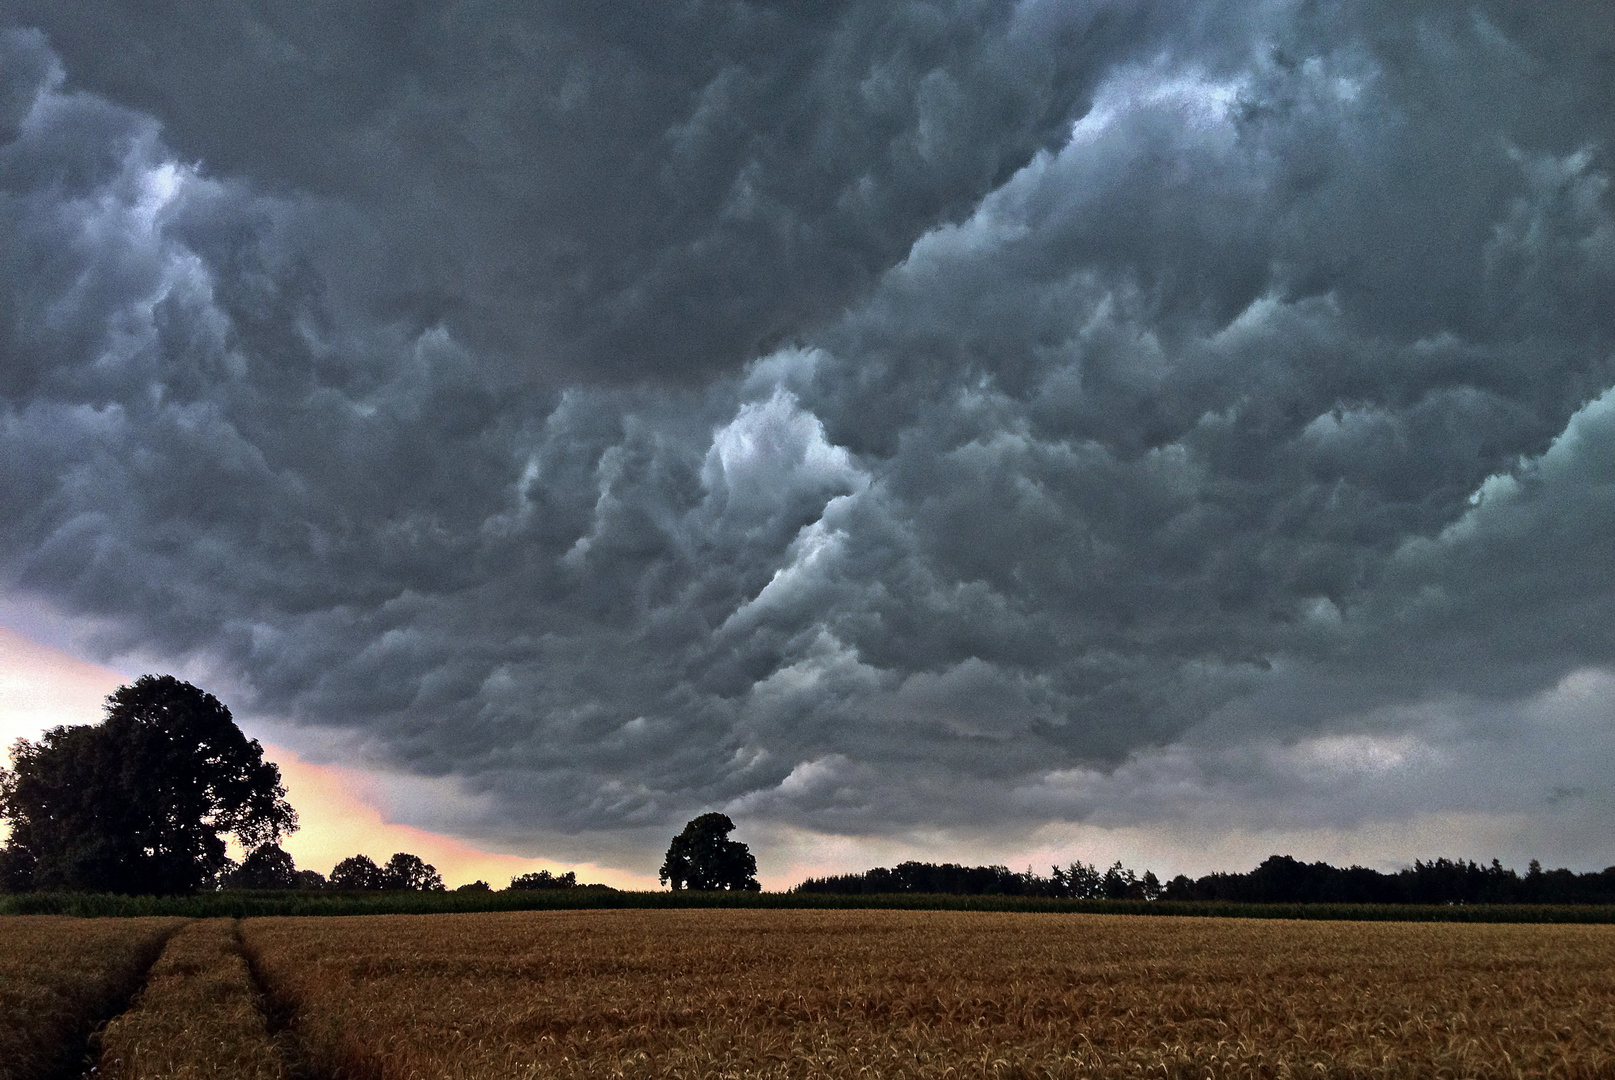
(703, 857)
(141, 802)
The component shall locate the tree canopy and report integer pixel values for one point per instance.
(410, 872)
(267, 866)
(703, 857)
(1280, 879)
(403, 872)
(142, 802)
(543, 879)
(357, 872)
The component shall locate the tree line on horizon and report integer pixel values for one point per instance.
(1280, 879)
(271, 868)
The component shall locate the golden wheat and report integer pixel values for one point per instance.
(197, 1017)
(938, 994)
(60, 975)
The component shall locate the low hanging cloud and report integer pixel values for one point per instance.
(883, 418)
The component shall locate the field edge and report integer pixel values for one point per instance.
(259, 904)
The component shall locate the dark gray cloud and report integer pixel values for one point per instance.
(642, 190)
(863, 418)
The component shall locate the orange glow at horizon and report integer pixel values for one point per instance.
(42, 687)
(339, 821)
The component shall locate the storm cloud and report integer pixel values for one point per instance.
(860, 418)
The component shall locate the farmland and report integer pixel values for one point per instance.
(59, 977)
(197, 1016)
(807, 993)
(928, 994)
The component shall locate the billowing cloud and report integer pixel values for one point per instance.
(647, 191)
(876, 419)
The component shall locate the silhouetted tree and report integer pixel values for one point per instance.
(357, 872)
(1150, 885)
(141, 802)
(1084, 881)
(16, 869)
(703, 857)
(266, 866)
(478, 886)
(1120, 883)
(309, 880)
(1180, 887)
(410, 873)
(543, 879)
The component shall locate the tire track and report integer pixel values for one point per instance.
(82, 1050)
(279, 1015)
(199, 1015)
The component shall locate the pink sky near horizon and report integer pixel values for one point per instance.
(43, 687)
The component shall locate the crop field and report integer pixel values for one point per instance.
(720, 993)
(198, 1016)
(730, 993)
(59, 977)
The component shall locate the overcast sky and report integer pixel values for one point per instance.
(959, 425)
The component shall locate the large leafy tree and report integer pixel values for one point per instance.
(703, 857)
(142, 802)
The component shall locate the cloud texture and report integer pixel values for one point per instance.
(860, 417)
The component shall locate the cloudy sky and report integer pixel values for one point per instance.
(976, 430)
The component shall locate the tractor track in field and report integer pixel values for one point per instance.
(82, 1053)
(200, 1002)
(279, 1019)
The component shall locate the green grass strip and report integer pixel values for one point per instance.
(249, 904)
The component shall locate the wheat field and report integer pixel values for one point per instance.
(59, 977)
(843, 994)
(198, 1016)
